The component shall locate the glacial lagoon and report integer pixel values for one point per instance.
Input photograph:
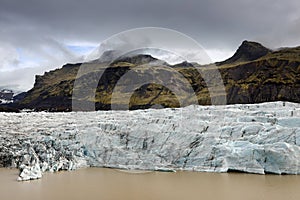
(106, 184)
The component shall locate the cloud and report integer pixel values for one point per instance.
(8, 57)
(38, 34)
(20, 79)
(217, 55)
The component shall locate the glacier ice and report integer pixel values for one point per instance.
(258, 138)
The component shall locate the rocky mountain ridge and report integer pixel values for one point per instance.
(253, 74)
(248, 51)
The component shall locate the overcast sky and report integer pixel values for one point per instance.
(37, 35)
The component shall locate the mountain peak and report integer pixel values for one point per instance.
(136, 59)
(109, 55)
(114, 56)
(247, 45)
(247, 51)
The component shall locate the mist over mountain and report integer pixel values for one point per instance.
(253, 74)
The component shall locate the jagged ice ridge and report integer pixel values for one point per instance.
(258, 138)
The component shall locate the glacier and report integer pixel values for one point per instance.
(252, 138)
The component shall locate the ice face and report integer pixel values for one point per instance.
(258, 138)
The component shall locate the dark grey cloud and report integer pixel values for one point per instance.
(41, 30)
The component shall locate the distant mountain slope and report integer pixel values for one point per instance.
(254, 74)
(6, 96)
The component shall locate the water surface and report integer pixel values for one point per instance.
(97, 183)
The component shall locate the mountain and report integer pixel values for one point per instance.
(253, 74)
(6, 96)
(273, 77)
(248, 51)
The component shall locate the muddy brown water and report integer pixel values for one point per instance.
(106, 184)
